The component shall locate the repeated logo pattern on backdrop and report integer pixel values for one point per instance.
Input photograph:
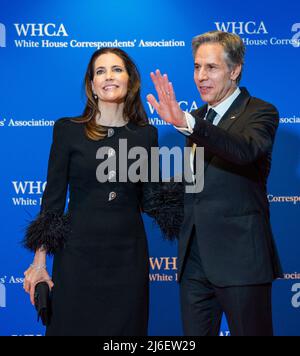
(2, 35)
(42, 64)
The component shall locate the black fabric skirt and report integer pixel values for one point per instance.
(101, 276)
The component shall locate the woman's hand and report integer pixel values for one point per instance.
(36, 273)
(167, 107)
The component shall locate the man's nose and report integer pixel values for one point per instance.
(202, 74)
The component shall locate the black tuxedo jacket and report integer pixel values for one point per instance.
(231, 214)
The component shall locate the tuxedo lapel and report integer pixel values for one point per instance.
(228, 120)
(236, 109)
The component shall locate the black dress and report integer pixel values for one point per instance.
(100, 268)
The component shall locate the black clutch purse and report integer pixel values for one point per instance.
(42, 302)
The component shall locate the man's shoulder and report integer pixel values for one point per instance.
(253, 103)
(259, 104)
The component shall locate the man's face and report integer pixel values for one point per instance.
(214, 79)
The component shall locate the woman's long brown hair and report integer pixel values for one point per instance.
(134, 110)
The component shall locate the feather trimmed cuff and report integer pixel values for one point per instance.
(49, 230)
(164, 203)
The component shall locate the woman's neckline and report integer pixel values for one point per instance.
(114, 126)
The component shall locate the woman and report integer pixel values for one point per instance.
(100, 269)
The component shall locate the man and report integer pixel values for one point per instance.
(227, 256)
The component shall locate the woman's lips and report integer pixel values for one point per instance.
(110, 87)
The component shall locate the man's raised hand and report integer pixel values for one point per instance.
(166, 106)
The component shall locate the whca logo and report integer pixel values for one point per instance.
(2, 35)
(2, 296)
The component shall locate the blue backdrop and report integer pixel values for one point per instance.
(44, 49)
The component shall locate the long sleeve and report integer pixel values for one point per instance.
(255, 141)
(51, 226)
(163, 201)
(190, 123)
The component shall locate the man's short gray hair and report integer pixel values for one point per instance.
(233, 47)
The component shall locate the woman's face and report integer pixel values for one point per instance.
(110, 82)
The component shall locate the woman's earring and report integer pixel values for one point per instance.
(95, 96)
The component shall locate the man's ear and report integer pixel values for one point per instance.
(236, 71)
